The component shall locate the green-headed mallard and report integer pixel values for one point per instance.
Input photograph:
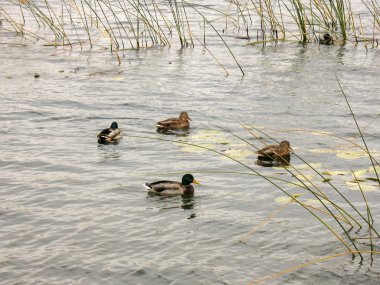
(175, 123)
(165, 187)
(275, 154)
(110, 134)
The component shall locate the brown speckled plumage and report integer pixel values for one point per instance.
(276, 154)
(175, 123)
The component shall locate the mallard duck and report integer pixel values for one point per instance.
(275, 154)
(326, 40)
(110, 134)
(165, 187)
(175, 123)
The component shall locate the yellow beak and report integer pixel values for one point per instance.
(196, 182)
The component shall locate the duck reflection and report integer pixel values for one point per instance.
(187, 202)
(109, 152)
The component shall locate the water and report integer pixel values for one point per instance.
(75, 212)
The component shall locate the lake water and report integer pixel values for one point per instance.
(75, 212)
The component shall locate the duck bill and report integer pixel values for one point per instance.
(196, 182)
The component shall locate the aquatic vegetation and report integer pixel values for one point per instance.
(131, 24)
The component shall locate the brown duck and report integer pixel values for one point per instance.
(175, 123)
(275, 155)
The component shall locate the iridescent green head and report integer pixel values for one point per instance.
(187, 179)
(114, 125)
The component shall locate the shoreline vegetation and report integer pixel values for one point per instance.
(118, 25)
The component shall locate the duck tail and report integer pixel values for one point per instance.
(102, 139)
(145, 185)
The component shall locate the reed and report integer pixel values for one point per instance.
(135, 24)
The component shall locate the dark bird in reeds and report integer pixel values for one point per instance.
(165, 187)
(181, 123)
(326, 40)
(109, 135)
(274, 155)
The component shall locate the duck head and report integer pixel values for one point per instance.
(285, 145)
(114, 125)
(184, 116)
(187, 179)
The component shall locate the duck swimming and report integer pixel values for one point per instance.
(326, 40)
(111, 134)
(165, 187)
(274, 155)
(183, 122)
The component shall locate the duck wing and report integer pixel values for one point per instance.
(105, 132)
(269, 150)
(160, 186)
(114, 133)
(167, 123)
(109, 133)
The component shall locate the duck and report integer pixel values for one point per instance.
(326, 40)
(165, 187)
(183, 122)
(111, 134)
(275, 155)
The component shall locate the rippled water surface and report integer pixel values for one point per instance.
(75, 212)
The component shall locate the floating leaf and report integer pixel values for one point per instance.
(238, 154)
(357, 180)
(305, 185)
(316, 202)
(326, 180)
(365, 187)
(373, 179)
(322, 150)
(304, 177)
(283, 199)
(191, 148)
(351, 154)
(213, 136)
(286, 199)
(314, 165)
(361, 172)
(335, 172)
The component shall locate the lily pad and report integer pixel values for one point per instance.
(335, 172)
(304, 177)
(315, 165)
(238, 154)
(316, 202)
(351, 154)
(286, 199)
(191, 148)
(364, 186)
(322, 150)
